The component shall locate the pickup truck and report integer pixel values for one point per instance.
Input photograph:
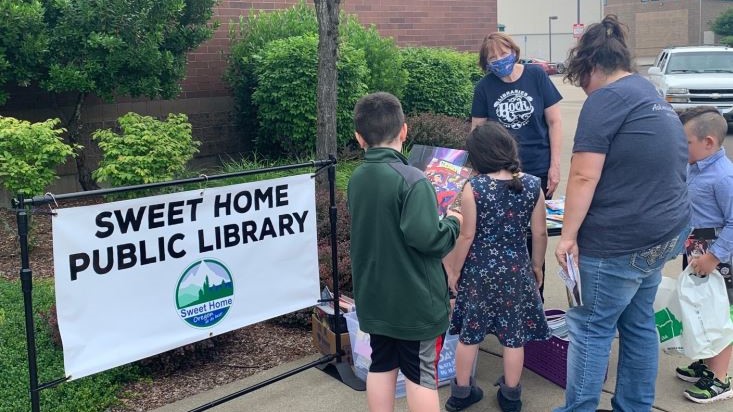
(695, 76)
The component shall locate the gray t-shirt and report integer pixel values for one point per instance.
(641, 198)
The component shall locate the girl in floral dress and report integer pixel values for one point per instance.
(490, 268)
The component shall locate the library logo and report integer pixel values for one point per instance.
(514, 109)
(204, 293)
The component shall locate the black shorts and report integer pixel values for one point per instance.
(418, 360)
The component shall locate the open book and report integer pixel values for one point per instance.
(571, 278)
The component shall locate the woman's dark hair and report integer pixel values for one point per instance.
(491, 148)
(603, 45)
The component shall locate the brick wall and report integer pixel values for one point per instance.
(654, 25)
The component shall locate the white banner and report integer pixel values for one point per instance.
(139, 277)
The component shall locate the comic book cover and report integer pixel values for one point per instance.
(444, 168)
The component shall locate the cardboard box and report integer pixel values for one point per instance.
(325, 340)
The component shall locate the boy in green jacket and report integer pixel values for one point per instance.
(397, 243)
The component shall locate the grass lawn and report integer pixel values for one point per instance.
(93, 393)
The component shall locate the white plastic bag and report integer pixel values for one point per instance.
(667, 317)
(705, 315)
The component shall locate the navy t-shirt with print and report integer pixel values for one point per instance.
(520, 107)
(641, 197)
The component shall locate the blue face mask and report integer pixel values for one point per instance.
(502, 67)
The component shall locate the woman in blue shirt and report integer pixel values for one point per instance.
(522, 99)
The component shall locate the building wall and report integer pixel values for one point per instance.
(531, 30)
(460, 24)
(656, 24)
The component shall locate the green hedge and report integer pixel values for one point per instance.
(439, 81)
(250, 37)
(287, 78)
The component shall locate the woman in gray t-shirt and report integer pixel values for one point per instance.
(626, 214)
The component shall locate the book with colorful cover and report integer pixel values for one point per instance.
(445, 169)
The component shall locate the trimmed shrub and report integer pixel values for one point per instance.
(437, 130)
(439, 81)
(29, 154)
(147, 150)
(287, 77)
(249, 38)
(383, 58)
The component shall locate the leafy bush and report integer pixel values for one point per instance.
(382, 55)
(147, 150)
(29, 154)
(439, 81)
(247, 40)
(287, 76)
(437, 130)
(22, 44)
(92, 393)
(251, 35)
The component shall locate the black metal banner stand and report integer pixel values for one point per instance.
(337, 369)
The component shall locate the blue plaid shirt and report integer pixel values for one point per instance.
(710, 187)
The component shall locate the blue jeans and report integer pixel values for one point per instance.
(617, 292)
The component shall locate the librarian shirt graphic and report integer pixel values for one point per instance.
(514, 109)
(204, 293)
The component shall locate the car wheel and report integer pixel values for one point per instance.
(561, 68)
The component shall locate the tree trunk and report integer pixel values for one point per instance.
(327, 12)
(74, 128)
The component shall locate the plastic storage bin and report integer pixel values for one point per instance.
(361, 352)
(549, 358)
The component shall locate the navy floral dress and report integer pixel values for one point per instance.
(497, 291)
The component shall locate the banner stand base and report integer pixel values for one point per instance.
(343, 372)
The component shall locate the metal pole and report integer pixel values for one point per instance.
(333, 216)
(578, 12)
(549, 31)
(27, 286)
(701, 34)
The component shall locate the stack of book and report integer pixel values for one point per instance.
(558, 327)
(555, 212)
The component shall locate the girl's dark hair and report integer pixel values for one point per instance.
(491, 148)
(603, 45)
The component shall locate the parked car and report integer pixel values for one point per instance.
(695, 76)
(562, 67)
(549, 68)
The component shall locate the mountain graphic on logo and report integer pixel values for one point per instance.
(204, 293)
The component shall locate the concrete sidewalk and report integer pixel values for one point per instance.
(313, 390)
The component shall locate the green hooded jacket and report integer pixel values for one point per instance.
(397, 243)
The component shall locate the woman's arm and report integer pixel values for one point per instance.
(454, 261)
(538, 226)
(585, 172)
(554, 123)
(477, 121)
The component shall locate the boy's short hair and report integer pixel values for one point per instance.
(705, 121)
(378, 118)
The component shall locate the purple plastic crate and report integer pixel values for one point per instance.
(549, 358)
